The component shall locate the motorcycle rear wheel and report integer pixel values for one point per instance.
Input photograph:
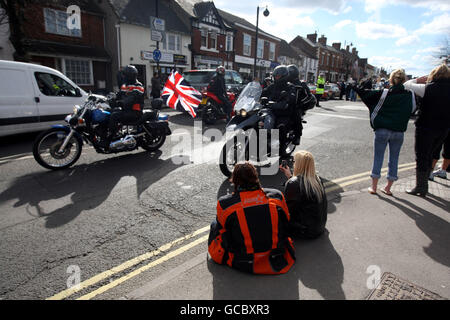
(152, 144)
(46, 145)
(208, 115)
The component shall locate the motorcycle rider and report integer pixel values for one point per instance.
(283, 95)
(217, 86)
(304, 101)
(130, 99)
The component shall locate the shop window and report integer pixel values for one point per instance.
(79, 71)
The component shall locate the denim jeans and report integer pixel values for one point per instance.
(383, 138)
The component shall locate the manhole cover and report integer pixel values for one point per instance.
(394, 288)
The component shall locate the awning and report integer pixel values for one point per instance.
(55, 49)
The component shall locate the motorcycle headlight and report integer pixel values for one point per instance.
(76, 109)
(243, 113)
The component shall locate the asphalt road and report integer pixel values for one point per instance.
(107, 210)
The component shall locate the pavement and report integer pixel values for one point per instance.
(368, 236)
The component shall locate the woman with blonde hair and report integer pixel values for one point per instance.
(306, 198)
(390, 111)
(432, 124)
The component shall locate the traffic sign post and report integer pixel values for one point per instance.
(157, 55)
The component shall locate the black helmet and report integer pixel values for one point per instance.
(130, 72)
(294, 73)
(280, 74)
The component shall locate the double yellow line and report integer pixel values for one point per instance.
(329, 187)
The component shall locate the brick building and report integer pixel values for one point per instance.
(308, 50)
(330, 58)
(245, 44)
(212, 38)
(78, 53)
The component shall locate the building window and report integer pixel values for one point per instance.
(260, 49)
(204, 38)
(272, 51)
(56, 22)
(247, 44)
(172, 42)
(213, 40)
(229, 45)
(79, 71)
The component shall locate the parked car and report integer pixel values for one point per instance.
(333, 90)
(313, 88)
(33, 97)
(200, 79)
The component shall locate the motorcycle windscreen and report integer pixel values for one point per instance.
(249, 97)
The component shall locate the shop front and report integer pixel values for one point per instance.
(168, 62)
(206, 62)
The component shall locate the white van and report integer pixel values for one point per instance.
(33, 97)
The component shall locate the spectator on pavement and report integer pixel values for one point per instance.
(442, 172)
(305, 197)
(390, 111)
(432, 124)
(251, 228)
(156, 86)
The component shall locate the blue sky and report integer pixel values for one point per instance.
(391, 33)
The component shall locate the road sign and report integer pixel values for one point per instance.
(157, 55)
(157, 24)
(157, 35)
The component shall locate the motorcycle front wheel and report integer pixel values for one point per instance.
(46, 149)
(233, 152)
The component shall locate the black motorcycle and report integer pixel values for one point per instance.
(60, 147)
(246, 138)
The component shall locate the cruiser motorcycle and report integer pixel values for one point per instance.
(60, 147)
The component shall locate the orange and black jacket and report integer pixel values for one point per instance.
(132, 96)
(251, 232)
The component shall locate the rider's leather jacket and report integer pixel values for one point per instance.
(284, 96)
(131, 97)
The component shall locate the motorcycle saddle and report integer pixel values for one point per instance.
(147, 116)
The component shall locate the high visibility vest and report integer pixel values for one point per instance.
(320, 86)
(251, 233)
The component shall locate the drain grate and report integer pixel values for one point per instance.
(392, 287)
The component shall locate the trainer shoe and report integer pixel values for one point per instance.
(440, 174)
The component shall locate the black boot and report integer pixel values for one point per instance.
(421, 188)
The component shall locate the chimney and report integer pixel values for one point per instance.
(312, 37)
(348, 49)
(337, 46)
(323, 40)
(354, 51)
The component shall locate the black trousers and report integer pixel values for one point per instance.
(227, 106)
(318, 97)
(427, 141)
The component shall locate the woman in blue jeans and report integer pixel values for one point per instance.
(390, 111)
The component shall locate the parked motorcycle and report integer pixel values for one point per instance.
(60, 147)
(244, 130)
(212, 107)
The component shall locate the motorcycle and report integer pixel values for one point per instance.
(212, 109)
(61, 146)
(245, 127)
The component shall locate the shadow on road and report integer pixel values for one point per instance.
(17, 144)
(88, 185)
(318, 267)
(434, 227)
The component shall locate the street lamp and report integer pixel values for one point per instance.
(266, 14)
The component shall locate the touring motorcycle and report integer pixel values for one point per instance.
(246, 140)
(61, 146)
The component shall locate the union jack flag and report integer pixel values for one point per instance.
(178, 94)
